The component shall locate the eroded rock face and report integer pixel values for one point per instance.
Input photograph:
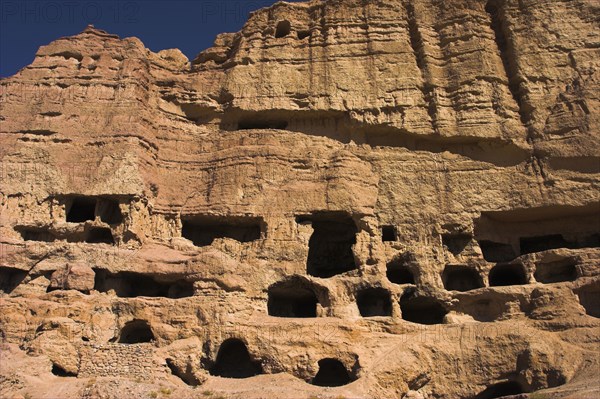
(78, 276)
(393, 199)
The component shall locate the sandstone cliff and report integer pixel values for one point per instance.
(362, 199)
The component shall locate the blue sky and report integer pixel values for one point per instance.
(190, 25)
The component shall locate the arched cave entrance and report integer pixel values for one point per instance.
(233, 361)
(398, 272)
(332, 373)
(136, 332)
(283, 29)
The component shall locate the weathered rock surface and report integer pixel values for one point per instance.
(76, 276)
(395, 198)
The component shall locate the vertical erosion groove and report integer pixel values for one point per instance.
(418, 47)
(506, 55)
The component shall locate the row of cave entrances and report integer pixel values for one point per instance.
(296, 300)
(465, 278)
(330, 245)
(234, 360)
(334, 234)
(297, 297)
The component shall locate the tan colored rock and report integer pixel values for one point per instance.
(399, 198)
(74, 276)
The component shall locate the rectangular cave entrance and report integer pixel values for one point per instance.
(497, 251)
(86, 208)
(374, 302)
(542, 243)
(100, 235)
(506, 235)
(292, 299)
(388, 233)
(589, 298)
(461, 278)
(203, 230)
(421, 309)
(504, 274)
(555, 272)
(330, 245)
(35, 234)
(131, 285)
(81, 209)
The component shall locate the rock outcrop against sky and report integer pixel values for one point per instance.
(359, 199)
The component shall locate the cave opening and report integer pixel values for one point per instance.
(589, 298)
(507, 274)
(136, 332)
(421, 310)
(283, 29)
(81, 209)
(332, 373)
(109, 211)
(542, 243)
(61, 372)
(203, 230)
(330, 245)
(398, 272)
(36, 234)
(555, 272)
(496, 251)
(233, 361)
(291, 299)
(100, 235)
(374, 302)
(501, 389)
(388, 233)
(131, 285)
(10, 278)
(303, 34)
(461, 278)
(456, 243)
